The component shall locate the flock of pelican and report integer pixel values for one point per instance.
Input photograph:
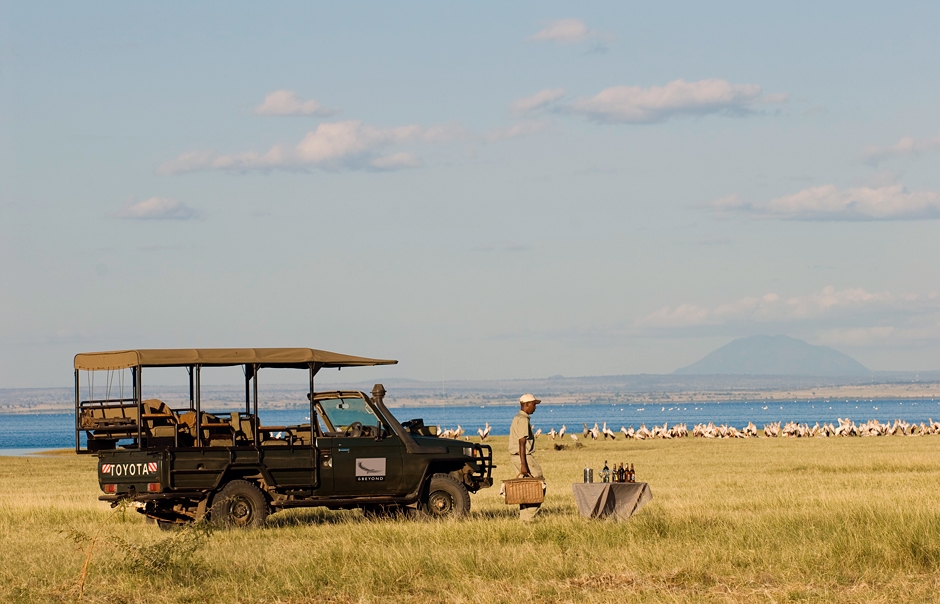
(845, 427)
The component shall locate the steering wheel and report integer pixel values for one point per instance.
(354, 430)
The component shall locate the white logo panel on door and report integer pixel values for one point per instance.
(370, 469)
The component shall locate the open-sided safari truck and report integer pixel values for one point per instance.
(185, 464)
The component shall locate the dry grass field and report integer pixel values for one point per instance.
(775, 520)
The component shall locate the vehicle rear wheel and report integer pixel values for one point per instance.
(239, 504)
(165, 525)
(447, 498)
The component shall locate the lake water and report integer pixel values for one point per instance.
(22, 432)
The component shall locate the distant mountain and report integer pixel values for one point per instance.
(774, 355)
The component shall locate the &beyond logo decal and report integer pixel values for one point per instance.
(370, 469)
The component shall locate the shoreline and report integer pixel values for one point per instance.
(34, 452)
(871, 392)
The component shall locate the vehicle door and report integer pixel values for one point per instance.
(366, 454)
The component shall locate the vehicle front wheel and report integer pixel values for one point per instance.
(447, 498)
(239, 504)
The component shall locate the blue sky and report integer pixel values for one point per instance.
(480, 191)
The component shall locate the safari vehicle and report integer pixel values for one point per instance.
(184, 464)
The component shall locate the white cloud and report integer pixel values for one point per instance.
(443, 133)
(685, 315)
(334, 146)
(565, 31)
(858, 336)
(906, 146)
(771, 307)
(536, 101)
(286, 102)
(517, 130)
(927, 333)
(189, 161)
(637, 105)
(827, 202)
(396, 161)
(157, 208)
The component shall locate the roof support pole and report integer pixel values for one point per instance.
(313, 412)
(192, 401)
(78, 438)
(247, 388)
(314, 426)
(140, 407)
(198, 400)
(255, 419)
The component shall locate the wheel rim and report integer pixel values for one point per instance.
(440, 503)
(240, 511)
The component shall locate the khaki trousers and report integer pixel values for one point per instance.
(527, 513)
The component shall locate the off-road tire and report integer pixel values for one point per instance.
(164, 525)
(239, 504)
(447, 497)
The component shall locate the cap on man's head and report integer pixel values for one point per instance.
(528, 398)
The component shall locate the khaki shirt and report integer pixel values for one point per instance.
(521, 428)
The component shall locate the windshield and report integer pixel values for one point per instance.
(341, 412)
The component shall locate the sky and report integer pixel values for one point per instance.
(479, 190)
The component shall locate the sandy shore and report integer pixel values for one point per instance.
(891, 391)
(872, 392)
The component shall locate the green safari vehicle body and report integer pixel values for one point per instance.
(181, 465)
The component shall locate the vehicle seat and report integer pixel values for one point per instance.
(216, 432)
(244, 429)
(159, 420)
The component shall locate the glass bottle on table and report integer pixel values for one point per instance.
(605, 473)
(632, 474)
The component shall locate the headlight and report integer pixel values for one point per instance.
(468, 451)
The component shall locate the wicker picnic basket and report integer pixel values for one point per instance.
(523, 491)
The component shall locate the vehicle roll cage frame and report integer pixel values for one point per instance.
(195, 402)
(271, 358)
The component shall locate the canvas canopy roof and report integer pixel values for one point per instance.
(220, 357)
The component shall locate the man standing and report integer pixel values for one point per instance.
(522, 450)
